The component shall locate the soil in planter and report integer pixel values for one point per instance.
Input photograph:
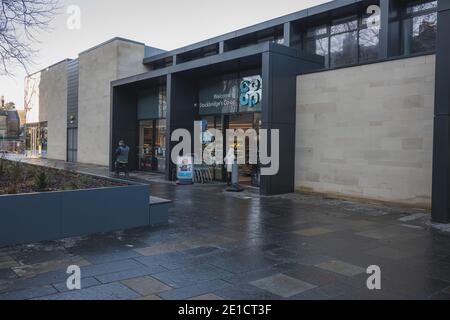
(19, 178)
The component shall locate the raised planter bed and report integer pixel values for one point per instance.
(34, 217)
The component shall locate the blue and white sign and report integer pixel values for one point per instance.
(250, 91)
(185, 169)
(250, 94)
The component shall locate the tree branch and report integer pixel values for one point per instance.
(20, 20)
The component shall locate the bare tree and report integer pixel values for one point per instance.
(19, 22)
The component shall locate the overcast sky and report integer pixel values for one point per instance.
(165, 24)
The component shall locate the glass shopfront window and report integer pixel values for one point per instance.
(152, 145)
(231, 101)
(36, 140)
(212, 122)
(152, 107)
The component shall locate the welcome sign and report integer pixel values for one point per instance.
(219, 95)
(230, 94)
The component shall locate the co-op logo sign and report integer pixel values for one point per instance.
(250, 91)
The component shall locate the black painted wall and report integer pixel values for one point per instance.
(124, 123)
(72, 92)
(441, 159)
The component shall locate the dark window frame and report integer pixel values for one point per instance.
(402, 15)
(359, 16)
(405, 17)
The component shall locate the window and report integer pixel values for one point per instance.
(3, 125)
(318, 42)
(356, 39)
(152, 103)
(345, 41)
(420, 27)
(152, 145)
(275, 35)
(162, 97)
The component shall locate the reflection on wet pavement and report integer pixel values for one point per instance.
(241, 246)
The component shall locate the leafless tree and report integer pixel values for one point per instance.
(20, 20)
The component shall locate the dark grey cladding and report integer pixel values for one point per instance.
(441, 159)
(72, 93)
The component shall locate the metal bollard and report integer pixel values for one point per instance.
(235, 187)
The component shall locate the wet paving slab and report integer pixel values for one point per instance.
(242, 246)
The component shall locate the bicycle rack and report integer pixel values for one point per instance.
(202, 174)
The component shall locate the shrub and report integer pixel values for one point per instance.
(12, 189)
(41, 180)
(16, 173)
(16, 170)
(2, 166)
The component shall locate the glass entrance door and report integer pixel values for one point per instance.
(249, 173)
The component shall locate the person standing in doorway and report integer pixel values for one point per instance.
(122, 153)
(229, 161)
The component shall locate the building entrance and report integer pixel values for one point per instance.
(249, 174)
(36, 140)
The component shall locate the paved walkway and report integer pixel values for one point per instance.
(242, 246)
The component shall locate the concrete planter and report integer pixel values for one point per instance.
(27, 218)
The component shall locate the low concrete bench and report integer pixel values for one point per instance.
(159, 211)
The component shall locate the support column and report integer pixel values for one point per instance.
(278, 112)
(279, 99)
(441, 160)
(384, 28)
(181, 100)
(287, 34)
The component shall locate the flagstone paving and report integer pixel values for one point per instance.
(340, 267)
(282, 285)
(146, 286)
(242, 246)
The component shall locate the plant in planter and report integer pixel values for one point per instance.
(16, 174)
(41, 204)
(2, 166)
(41, 180)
